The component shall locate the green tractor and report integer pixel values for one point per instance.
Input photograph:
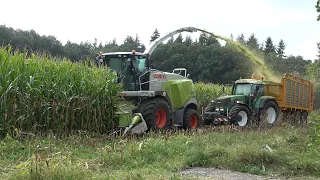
(152, 99)
(248, 103)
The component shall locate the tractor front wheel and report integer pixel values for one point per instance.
(191, 119)
(240, 115)
(156, 113)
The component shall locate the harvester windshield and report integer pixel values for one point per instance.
(127, 66)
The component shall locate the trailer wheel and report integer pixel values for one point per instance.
(156, 113)
(240, 115)
(269, 112)
(304, 117)
(191, 119)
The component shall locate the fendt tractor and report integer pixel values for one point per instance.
(259, 102)
(152, 99)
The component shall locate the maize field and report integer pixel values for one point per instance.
(40, 93)
(207, 92)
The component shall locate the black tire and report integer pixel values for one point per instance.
(304, 117)
(191, 119)
(263, 114)
(149, 109)
(235, 118)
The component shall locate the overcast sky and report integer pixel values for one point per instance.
(292, 20)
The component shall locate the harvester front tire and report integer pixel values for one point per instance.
(156, 113)
(240, 115)
(191, 119)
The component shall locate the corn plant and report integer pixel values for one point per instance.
(38, 94)
(207, 92)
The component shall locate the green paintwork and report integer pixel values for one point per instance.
(259, 104)
(124, 119)
(179, 91)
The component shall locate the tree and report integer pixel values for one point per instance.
(318, 50)
(318, 9)
(240, 39)
(252, 42)
(179, 39)
(155, 35)
(280, 48)
(269, 48)
(188, 40)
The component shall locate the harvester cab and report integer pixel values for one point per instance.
(152, 99)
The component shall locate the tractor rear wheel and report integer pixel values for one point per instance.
(156, 113)
(269, 112)
(191, 119)
(240, 115)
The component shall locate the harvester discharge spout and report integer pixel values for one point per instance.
(137, 126)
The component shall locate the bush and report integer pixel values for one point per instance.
(41, 93)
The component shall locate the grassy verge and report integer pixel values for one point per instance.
(159, 156)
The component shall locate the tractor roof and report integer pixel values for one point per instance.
(251, 81)
(121, 53)
(256, 81)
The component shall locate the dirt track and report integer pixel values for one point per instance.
(218, 174)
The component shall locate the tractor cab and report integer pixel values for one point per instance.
(250, 89)
(128, 66)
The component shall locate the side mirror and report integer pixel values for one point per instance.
(188, 75)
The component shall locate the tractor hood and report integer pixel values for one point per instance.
(226, 101)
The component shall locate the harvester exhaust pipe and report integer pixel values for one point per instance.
(137, 126)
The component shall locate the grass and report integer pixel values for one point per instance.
(158, 156)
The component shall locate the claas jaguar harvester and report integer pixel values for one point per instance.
(259, 101)
(152, 99)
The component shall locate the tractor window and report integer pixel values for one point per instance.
(242, 89)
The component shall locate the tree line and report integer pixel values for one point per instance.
(205, 58)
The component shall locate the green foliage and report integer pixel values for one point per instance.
(314, 131)
(318, 46)
(318, 9)
(269, 48)
(158, 156)
(41, 93)
(207, 92)
(252, 42)
(280, 49)
(155, 35)
(241, 39)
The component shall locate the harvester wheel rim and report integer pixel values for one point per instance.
(244, 118)
(193, 121)
(271, 115)
(161, 118)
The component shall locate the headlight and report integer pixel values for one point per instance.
(217, 109)
(221, 109)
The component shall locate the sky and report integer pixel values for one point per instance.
(293, 21)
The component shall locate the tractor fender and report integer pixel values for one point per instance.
(179, 113)
(241, 103)
(261, 102)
